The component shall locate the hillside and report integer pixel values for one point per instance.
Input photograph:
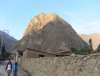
(7, 40)
(95, 39)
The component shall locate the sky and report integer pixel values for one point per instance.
(83, 15)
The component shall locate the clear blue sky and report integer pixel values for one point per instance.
(83, 15)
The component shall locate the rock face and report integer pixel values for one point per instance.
(6, 40)
(95, 39)
(49, 33)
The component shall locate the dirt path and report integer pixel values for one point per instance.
(4, 73)
(2, 68)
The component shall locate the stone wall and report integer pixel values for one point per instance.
(63, 66)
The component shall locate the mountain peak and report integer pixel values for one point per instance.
(39, 21)
(50, 16)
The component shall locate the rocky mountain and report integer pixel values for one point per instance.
(95, 39)
(6, 40)
(50, 34)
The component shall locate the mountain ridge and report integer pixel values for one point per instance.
(7, 40)
(95, 38)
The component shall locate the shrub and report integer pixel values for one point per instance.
(98, 49)
(83, 51)
(4, 54)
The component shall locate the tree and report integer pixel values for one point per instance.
(90, 46)
(0, 44)
(98, 49)
(3, 53)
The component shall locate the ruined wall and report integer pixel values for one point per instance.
(63, 66)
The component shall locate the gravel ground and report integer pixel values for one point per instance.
(3, 71)
(2, 68)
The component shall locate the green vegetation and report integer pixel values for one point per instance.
(3, 53)
(83, 51)
(98, 49)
